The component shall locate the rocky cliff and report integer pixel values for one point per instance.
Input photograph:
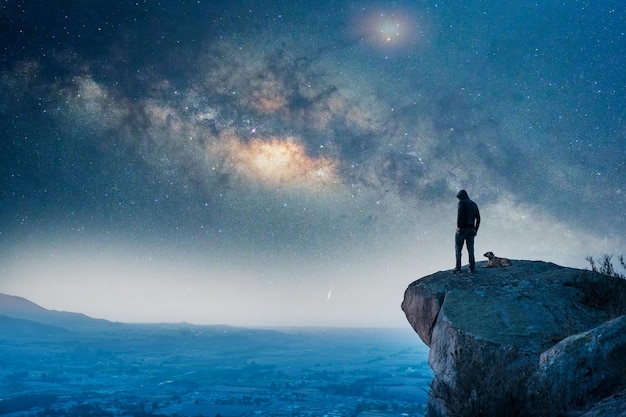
(532, 339)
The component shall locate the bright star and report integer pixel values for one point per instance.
(388, 31)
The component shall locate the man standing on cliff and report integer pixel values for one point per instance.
(467, 224)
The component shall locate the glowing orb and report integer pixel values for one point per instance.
(391, 30)
(388, 31)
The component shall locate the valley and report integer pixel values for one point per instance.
(186, 370)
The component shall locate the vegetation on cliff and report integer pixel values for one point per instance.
(531, 339)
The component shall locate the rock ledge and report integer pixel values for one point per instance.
(522, 340)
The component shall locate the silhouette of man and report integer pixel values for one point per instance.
(467, 224)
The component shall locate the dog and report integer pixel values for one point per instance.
(495, 262)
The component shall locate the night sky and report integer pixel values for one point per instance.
(281, 163)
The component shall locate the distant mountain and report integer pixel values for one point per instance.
(19, 328)
(21, 308)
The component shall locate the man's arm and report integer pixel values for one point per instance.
(477, 217)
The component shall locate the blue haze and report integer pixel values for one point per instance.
(288, 163)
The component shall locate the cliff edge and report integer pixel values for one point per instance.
(531, 339)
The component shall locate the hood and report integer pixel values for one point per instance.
(462, 195)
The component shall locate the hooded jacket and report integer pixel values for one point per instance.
(468, 214)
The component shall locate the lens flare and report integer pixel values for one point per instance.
(388, 31)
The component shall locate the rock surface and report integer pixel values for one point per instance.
(529, 339)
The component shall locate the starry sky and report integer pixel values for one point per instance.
(294, 163)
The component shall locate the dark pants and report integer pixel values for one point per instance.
(465, 236)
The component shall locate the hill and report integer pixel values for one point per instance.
(18, 328)
(21, 308)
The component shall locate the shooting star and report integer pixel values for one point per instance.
(330, 292)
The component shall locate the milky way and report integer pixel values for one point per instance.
(237, 162)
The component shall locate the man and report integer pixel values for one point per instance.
(467, 224)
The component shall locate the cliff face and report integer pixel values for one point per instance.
(530, 339)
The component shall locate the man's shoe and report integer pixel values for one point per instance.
(456, 271)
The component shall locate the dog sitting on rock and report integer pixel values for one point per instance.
(495, 262)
